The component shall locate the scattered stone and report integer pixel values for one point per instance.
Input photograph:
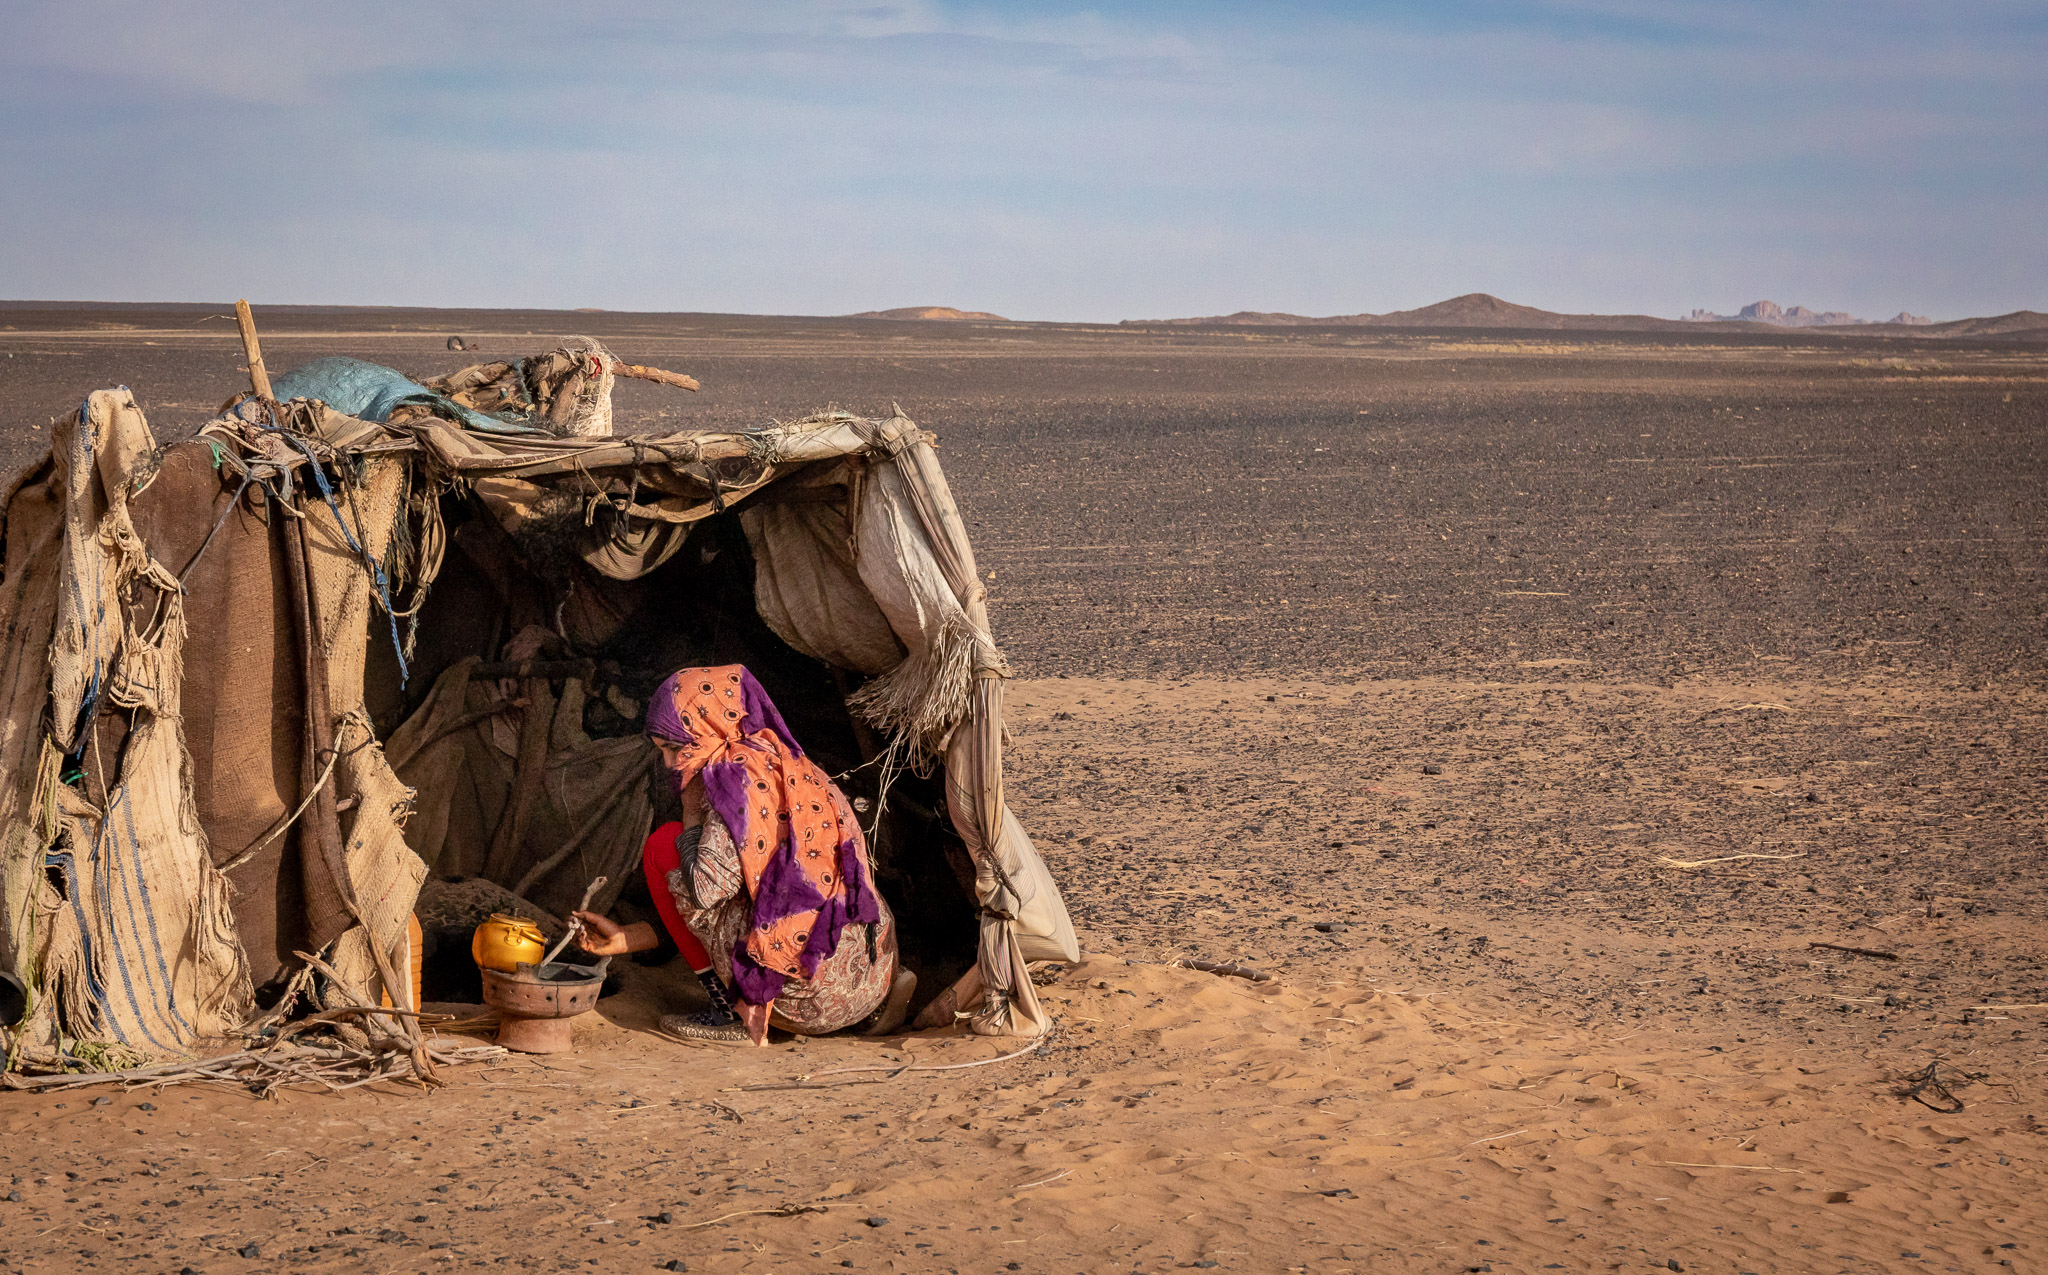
(877, 1221)
(1331, 927)
(1432, 769)
(250, 1250)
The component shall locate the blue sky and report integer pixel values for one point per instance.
(1045, 161)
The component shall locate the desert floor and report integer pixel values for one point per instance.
(1531, 706)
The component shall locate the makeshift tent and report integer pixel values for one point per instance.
(260, 684)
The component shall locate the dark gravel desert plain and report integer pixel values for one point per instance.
(1626, 751)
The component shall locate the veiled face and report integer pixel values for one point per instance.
(671, 752)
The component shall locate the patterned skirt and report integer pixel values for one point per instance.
(711, 896)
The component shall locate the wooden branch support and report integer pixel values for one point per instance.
(641, 373)
(259, 378)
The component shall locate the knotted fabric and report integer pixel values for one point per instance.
(799, 849)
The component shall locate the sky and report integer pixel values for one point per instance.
(1041, 160)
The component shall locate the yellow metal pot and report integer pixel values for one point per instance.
(504, 941)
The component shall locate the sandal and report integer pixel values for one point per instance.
(712, 1028)
(895, 1007)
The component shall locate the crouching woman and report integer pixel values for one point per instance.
(767, 879)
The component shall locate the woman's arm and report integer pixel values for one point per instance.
(604, 937)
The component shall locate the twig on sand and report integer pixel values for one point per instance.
(333, 1067)
(787, 1210)
(1726, 858)
(2028, 1005)
(1226, 969)
(805, 1081)
(1928, 1080)
(959, 1066)
(1856, 951)
(1042, 1181)
(1498, 1137)
(1760, 1168)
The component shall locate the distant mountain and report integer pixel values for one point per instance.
(1479, 310)
(928, 312)
(2029, 324)
(1473, 310)
(1263, 319)
(1797, 316)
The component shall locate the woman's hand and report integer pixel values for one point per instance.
(601, 936)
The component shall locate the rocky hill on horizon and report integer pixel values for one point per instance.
(942, 312)
(1797, 316)
(1482, 310)
(1473, 310)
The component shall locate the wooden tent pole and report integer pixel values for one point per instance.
(259, 379)
(657, 375)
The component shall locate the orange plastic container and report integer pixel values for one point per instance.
(418, 939)
(415, 940)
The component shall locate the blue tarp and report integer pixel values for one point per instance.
(371, 392)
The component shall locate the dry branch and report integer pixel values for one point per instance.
(806, 1082)
(787, 1210)
(266, 1070)
(1856, 951)
(575, 926)
(1726, 858)
(657, 375)
(1226, 969)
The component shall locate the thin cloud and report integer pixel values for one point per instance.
(1044, 160)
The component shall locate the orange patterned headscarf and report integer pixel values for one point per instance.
(799, 845)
